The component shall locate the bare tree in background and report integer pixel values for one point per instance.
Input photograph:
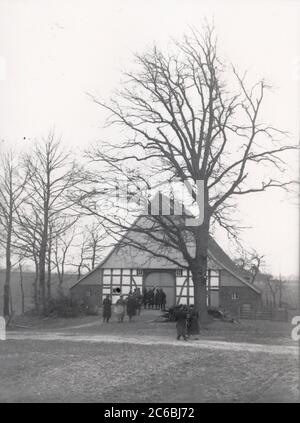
(90, 249)
(94, 244)
(12, 190)
(53, 175)
(274, 288)
(251, 263)
(79, 261)
(61, 248)
(186, 115)
(28, 234)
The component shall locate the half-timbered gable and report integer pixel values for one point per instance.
(126, 267)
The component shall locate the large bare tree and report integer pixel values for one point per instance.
(187, 115)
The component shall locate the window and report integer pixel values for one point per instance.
(234, 296)
(213, 282)
(178, 272)
(139, 272)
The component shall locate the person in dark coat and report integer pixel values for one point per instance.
(151, 298)
(163, 299)
(181, 324)
(131, 306)
(145, 297)
(157, 298)
(139, 302)
(193, 323)
(106, 309)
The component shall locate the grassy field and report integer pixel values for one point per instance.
(34, 371)
(149, 323)
(62, 371)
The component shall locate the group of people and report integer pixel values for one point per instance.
(154, 298)
(130, 306)
(186, 317)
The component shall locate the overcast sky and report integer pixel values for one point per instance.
(53, 52)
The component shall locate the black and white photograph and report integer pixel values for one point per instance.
(149, 204)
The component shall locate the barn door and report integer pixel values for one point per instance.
(164, 280)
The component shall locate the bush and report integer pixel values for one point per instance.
(64, 306)
(213, 312)
(171, 313)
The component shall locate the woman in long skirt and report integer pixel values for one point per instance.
(120, 309)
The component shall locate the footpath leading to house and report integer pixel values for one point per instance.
(152, 341)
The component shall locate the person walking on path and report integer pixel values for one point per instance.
(181, 324)
(120, 309)
(106, 309)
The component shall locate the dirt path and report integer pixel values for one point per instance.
(151, 340)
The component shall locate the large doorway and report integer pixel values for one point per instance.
(164, 280)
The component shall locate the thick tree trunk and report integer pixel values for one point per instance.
(42, 279)
(11, 305)
(42, 258)
(200, 293)
(6, 300)
(42, 271)
(36, 286)
(22, 289)
(60, 274)
(6, 296)
(199, 268)
(49, 293)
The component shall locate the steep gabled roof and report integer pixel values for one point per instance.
(218, 255)
(215, 253)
